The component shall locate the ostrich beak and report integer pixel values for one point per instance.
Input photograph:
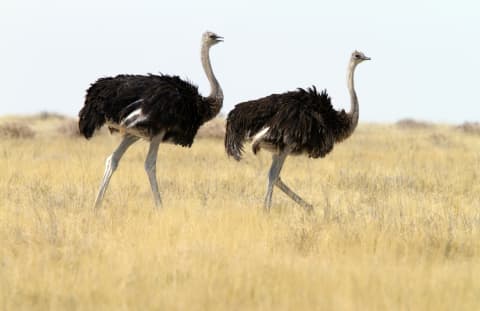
(219, 38)
(366, 58)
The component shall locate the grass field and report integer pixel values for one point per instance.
(397, 226)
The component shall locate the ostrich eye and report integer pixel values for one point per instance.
(357, 56)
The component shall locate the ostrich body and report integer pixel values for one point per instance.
(157, 108)
(293, 123)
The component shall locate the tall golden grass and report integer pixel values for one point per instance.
(397, 226)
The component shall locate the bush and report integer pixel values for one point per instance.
(69, 128)
(16, 130)
(47, 115)
(213, 129)
(470, 128)
(412, 124)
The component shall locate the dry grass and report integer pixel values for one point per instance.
(397, 227)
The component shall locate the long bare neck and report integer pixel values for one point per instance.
(353, 114)
(216, 94)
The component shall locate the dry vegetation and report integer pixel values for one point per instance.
(397, 226)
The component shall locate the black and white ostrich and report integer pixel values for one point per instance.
(157, 108)
(292, 123)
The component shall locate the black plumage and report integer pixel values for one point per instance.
(169, 103)
(292, 123)
(157, 108)
(303, 121)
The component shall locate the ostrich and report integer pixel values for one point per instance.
(157, 108)
(293, 123)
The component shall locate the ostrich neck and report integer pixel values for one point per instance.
(216, 94)
(354, 109)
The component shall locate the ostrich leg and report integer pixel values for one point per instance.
(111, 165)
(151, 168)
(274, 179)
(280, 184)
(277, 163)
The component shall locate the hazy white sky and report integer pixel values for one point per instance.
(425, 54)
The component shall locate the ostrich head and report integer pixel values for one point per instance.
(358, 57)
(209, 38)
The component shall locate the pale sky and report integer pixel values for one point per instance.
(425, 54)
